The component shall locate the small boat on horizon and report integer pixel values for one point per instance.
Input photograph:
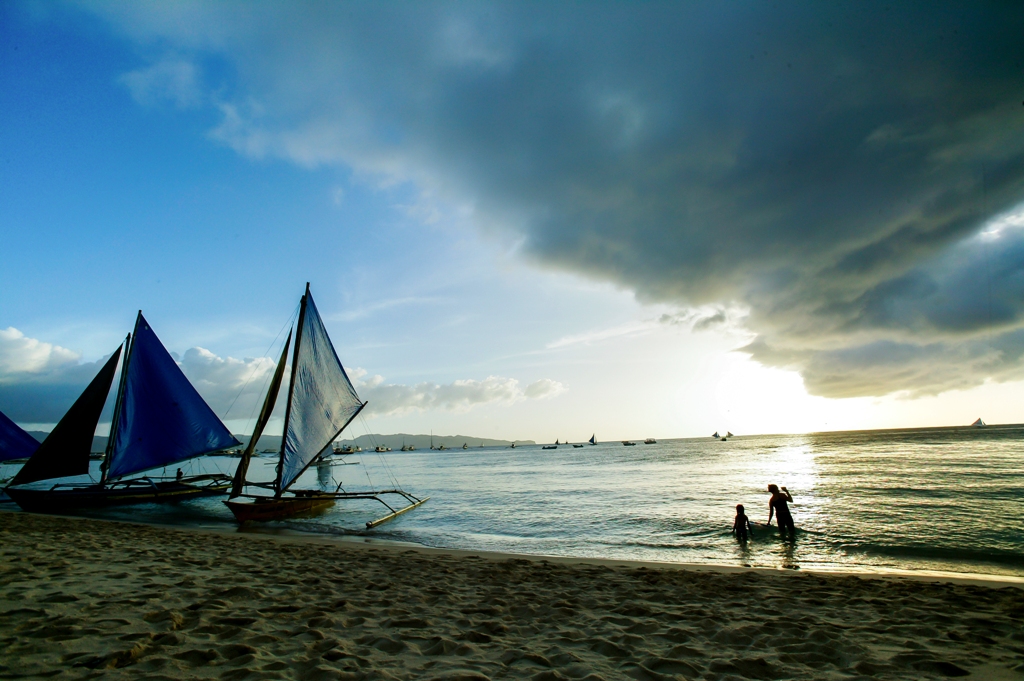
(650, 441)
(550, 447)
(627, 443)
(593, 439)
(979, 423)
(716, 435)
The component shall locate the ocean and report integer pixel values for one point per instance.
(937, 500)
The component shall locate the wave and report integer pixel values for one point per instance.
(945, 554)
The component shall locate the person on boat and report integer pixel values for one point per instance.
(179, 476)
(741, 525)
(779, 505)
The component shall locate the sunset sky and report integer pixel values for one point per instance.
(525, 220)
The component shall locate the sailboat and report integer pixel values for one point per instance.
(979, 424)
(321, 404)
(593, 439)
(159, 419)
(716, 435)
(15, 443)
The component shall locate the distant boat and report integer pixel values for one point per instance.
(979, 424)
(513, 446)
(627, 443)
(550, 447)
(557, 442)
(728, 434)
(407, 448)
(159, 419)
(577, 446)
(381, 448)
(593, 440)
(716, 435)
(650, 441)
(465, 446)
(322, 402)
(441, 448)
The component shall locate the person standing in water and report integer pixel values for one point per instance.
(779, 506)
(742, 524)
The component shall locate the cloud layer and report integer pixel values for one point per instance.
(39, 381)
(462, 395)
(826, 167)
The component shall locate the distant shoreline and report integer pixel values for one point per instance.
(420, 441)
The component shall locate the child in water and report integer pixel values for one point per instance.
(741, 526)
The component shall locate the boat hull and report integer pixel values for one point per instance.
(261, 509)
(63, 499)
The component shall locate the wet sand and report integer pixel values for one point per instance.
(88, 599)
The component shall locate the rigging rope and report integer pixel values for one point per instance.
(266, 352)
(384, 464)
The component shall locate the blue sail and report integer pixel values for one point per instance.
(163, 419)
(15, 443)
(322, 402)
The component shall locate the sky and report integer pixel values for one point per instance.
(525, 220)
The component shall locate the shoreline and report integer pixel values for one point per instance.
(285, 535)
(80, 596)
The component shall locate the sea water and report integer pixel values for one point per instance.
(924, 499)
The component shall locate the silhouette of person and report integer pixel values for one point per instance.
(180, 475)
(779, 506)
(741, 525)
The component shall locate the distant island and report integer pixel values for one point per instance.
(423, 441)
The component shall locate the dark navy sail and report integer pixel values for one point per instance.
(65, 451)
(15, 443)
(162, 418)
(322, 399)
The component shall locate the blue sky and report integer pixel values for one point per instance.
(521, 220)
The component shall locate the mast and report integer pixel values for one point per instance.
(117, 403)
(291, 390)
(238, 483)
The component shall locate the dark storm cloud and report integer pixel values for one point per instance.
(824, 165)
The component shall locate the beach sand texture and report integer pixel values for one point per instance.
(89, 599)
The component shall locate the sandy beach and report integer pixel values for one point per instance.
(87, 599)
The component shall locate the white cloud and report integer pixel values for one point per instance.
(458, 396)
(39, 380)
(21, 354)
(228, 383)
(544, 389)
(172, 80)
(633, 328)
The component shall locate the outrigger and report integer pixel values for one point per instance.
(322, 402)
